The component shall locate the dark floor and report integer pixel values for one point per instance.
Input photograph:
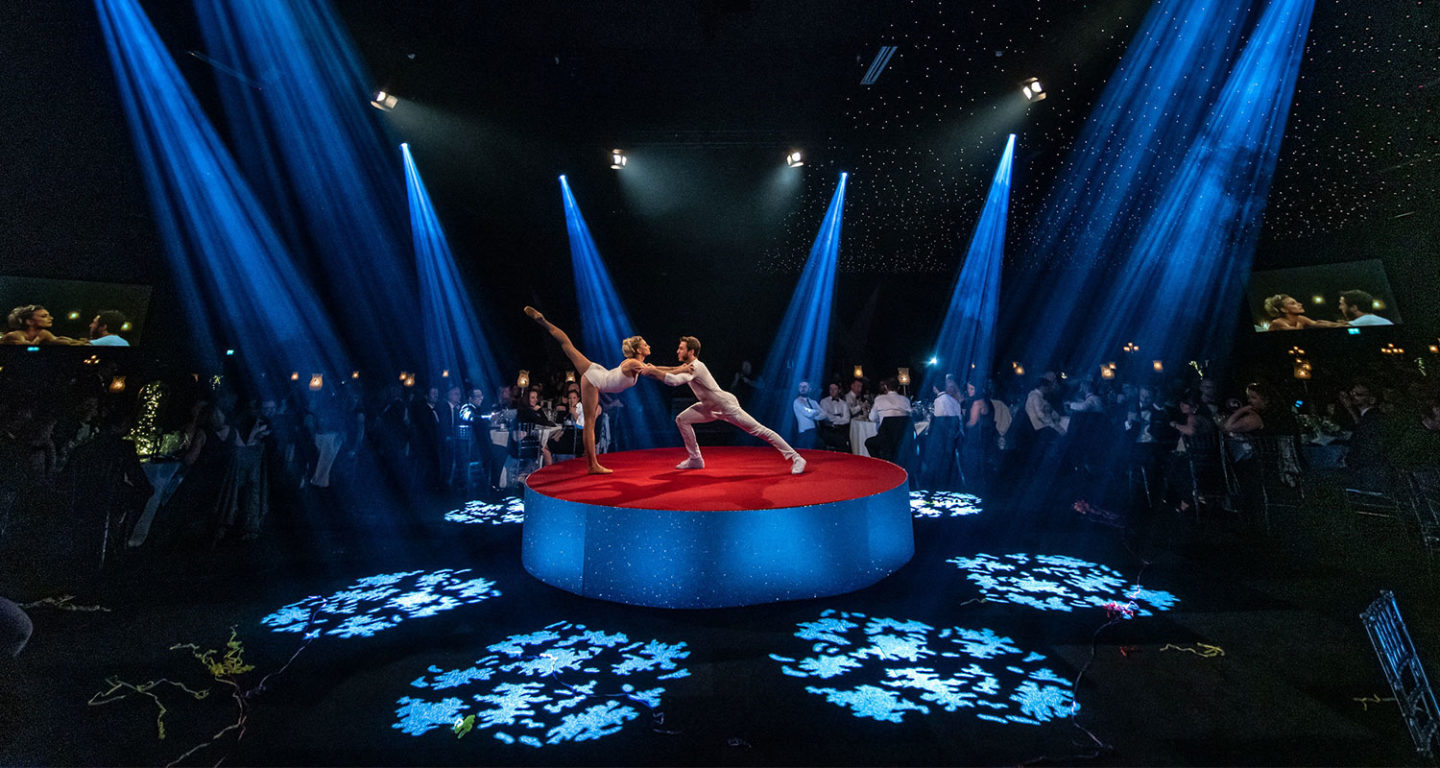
(1282, 607)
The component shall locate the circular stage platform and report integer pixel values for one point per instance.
(741, 531)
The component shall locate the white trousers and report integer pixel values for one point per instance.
(731, 412)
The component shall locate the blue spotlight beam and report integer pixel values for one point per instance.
(1195, 249)
(798, 352)
(967, 337)
(645, 417)
(238, 284)
(1151, 110)
(454, 337)
(313, 147)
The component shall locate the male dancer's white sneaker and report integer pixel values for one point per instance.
(797, 465)
(691, 463)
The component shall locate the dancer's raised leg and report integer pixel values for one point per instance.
(581, 362)
(590, 407)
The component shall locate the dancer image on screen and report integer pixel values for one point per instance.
(1288, 314)
(715, 404)
(594, 379)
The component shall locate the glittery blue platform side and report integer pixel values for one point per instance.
(677, 559)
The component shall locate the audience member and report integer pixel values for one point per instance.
(834, 428)
(807, 413)
(857, 401)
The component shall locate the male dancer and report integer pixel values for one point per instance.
(715, 404)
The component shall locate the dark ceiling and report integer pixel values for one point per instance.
(498, 98)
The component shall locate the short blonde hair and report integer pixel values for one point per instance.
(1273, 304)
(631, 346)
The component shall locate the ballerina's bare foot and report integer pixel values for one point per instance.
(535, 315)
(596, 469)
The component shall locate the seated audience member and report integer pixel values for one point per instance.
(1193, 419)
(1086, 401)
(858, 401)
(105, 329)
(1419, 442)
(532, 410)
(531, 416)
(807, 414)
(567, 440)
(888, 405)
(1358, 307)
(1194, 426)
(1367, 462)
(947, 403)
(30, 325)
(889, 402)
(1262, 414)
(941, 439)
(834, 428)
(1147, 423)
(1044, 422)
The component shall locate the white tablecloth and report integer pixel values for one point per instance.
(860, 431)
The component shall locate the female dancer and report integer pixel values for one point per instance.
(31, 324)
(594, 379)
(1288, 314)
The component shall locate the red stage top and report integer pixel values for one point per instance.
(733, 478)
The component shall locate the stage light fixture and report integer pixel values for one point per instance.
(1159, 366)
(74, 314)
(354, 374)
(384, 101)
(569, 377)
(126, 326)
(317, 382)
(229, 353)
(523, 380)
(859, 372)
(117, 384)
(617, 159)
(294, 375)
(1106, 372)
(794, 159)
(904, 377)
(1033, 90)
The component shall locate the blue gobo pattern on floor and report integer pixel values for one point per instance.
(479, 512)
(377, 603)
(563, 683)
(944, 504)
(1059, 583)
(887, 669)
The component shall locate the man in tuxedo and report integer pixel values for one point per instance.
(1367, 462)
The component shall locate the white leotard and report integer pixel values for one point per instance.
(613, 380)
